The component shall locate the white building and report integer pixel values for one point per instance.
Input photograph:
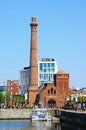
(47, 67)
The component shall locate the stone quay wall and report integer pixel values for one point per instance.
(19, 113)
(15, 113)
(73, 117)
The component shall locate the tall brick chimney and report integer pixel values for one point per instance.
(33, 79)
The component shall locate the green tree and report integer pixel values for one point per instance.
(1, 98)
(18, 98)
(7, 97)
(82, 99)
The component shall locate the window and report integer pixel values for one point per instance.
(48, 91)
(52, 65)
(54, 91)
(44, 70)
(51, 90)
(44, 65)
(40, 66)
(48, 65)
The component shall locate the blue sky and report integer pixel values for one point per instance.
(61, 34)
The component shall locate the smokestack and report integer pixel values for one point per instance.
(33, 78)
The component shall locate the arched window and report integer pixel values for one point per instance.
(51, 90)
(51, 103)
(54, 91)
(48, 91)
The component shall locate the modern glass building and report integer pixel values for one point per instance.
(47, 67)
(24, 80)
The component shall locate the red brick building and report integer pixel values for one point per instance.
(48, 94)
(52, 95)
(12, 87)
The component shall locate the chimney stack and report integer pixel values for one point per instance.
(33, 78)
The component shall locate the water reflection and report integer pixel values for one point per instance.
(68, 126)
(36, 125)
(13, 125)
(45, 126)
(28, 125)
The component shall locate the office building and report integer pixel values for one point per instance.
(47, 67)
(24, 80)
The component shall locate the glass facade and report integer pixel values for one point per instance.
(24, 81)
(46, 70)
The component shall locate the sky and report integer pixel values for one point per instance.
(61, 34)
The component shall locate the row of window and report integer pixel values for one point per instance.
(25, 74)
(47, 70)
(46, 76)
(47, 65)
(51, 91)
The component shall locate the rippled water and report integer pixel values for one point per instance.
(27, 125)
(36, 125)
(13, 124)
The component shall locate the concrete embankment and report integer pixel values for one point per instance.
(21, 114)
(15, 113)
(73, 117)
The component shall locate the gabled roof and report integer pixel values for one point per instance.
(44, 86)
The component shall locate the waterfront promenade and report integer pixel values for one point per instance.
(20, 113)
(70, 116)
